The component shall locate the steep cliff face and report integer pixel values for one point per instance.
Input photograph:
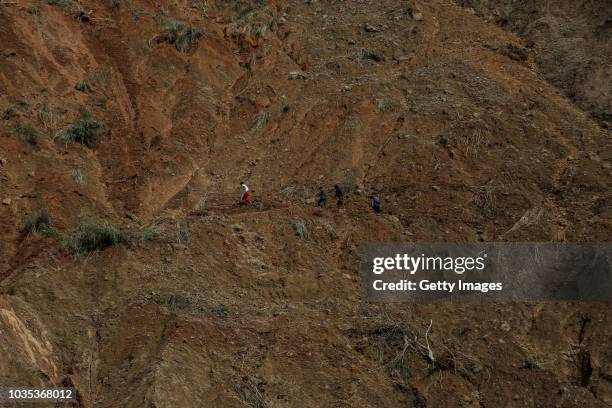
(144, 117)
(570, 40)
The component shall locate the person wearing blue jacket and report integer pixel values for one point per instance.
(375, 203)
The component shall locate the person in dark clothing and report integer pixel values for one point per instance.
(339, 195)
(322, 198)
(375, 203)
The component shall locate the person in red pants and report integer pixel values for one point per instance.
(245, 194)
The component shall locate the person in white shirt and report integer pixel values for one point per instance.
(245, 194)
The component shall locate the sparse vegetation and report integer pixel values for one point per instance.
(258, 30)
(60, 3)
(262, 119)
(244, 7)
(295, 75)
(473, 141)
(350, 184)
(387, 105)
(70, 6)
(183, 235)
(49, 117)
(183, 36)
(530, 217)
(200, 206)
(38, 222)
(372, 55)
(301, 229)
(86, 131)
(24, 106)
(8, 113)
(136, 13)
(8, 53)
(221, 310)
(201, 6)
(119, 3)
(179, 302)
(29, 134)
(251, 396)
(35, 11)
(91, 237)
(532, 364)
(301, 193)
(102, 76)
(484, 198)
(150, 233)
(78, 176)
(330, 230)
(83, 86)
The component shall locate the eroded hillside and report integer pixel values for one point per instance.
(202, 303)
(570, 40)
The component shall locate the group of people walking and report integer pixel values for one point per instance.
(246, 197)
(339, 195)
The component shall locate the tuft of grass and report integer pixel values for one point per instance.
(350, 184)
(221, 310)
(301, 229)
(78, 176)
(183, 234)
(29, 134)
(201, 7)
(83, 86)
(24, 106)
(49, 117)
(386, 105)
(373, 55)
(91, 237)
(251, 396)
(60, 3)
(262, 119)
(103, 76)
(330, 230)
(150, 233)
(473, 143)
(244, 7)
(180, 34)
(484, 199)
(295, 75)
(38, 222)
(118, 3)
(136, 13)
(9, 113)
(86, 131)
(8, 53)
(35, 11)
(69, 6)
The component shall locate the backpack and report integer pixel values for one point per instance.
(375, 201)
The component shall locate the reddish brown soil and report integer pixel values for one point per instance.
(227, 306)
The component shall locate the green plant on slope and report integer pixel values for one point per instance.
(86, 130)
(330, 230)
(183, 36)
(29, 134)
(8, 113)
(301, 229)
(91, 237)
(38, 222)
(69, 6)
